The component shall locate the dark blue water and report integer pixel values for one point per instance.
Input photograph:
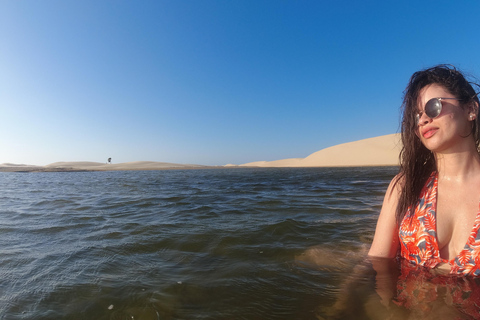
(191, 244)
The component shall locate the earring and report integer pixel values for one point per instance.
(471, 117)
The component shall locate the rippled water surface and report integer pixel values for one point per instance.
(187, 244)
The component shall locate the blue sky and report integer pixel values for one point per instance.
(214, 82)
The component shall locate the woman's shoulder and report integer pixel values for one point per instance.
(396, 184)
(400, 181)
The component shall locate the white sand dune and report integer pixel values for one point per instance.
(378, 151)
(6, 165)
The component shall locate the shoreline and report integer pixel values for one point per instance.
(74, 167)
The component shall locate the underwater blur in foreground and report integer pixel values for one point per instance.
(207, 244)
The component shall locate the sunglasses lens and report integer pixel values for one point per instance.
(417, 118)
(433, 108)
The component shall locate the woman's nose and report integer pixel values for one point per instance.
(423, 119)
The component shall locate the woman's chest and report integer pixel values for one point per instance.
(456, 212)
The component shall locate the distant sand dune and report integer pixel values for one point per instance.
(14, 165)
(378, 151)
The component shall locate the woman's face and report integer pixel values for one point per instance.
(450, 130)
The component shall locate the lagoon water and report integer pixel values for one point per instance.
(198, 244)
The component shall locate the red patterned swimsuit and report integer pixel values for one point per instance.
(418, 236)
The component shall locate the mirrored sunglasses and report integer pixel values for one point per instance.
(433, 108)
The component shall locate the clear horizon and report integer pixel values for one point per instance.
(214, 82)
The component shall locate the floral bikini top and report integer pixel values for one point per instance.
(418, 236)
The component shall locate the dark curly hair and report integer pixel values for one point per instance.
(416, 161)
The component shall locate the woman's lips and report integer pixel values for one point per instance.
(428, 132)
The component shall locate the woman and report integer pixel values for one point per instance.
(430, 213)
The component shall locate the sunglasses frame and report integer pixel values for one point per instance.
(438, 108)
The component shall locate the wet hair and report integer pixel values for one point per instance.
(416, 161)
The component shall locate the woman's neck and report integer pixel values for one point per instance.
(459, 165)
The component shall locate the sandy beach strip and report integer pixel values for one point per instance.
(98, 166)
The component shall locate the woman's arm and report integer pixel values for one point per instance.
(385, 243)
